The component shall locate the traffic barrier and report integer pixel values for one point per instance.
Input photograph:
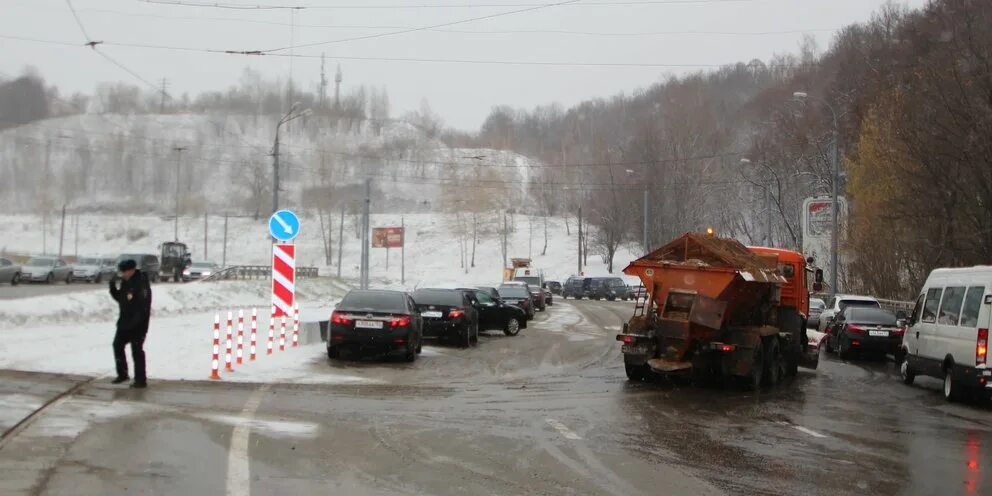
(272, 329)
(215, 360)
(254, 331)
(282, 333)
(230, 341)
(296, 324)
(241, 336)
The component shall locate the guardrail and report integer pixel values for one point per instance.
(256, 272)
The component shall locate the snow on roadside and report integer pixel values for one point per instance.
(95, 305)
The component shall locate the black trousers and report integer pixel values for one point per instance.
(137, 341)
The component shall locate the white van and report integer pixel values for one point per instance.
(529, 275)
(948, 333)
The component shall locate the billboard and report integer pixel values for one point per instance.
(817, 224)
(387, 237)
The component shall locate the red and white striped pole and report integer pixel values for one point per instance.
(254, 332)
(272, 330)
(241, 336)
(282, 333)
(296, 324)
(230, 343)
(215, 360)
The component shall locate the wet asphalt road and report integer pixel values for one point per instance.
(547, 412)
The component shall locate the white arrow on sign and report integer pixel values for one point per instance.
(285, 227)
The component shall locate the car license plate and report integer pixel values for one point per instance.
(432, 315)
(369, 324)
(634, 349)
(878, 333)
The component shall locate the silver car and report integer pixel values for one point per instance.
(93, 269)
(199, 270)
(9, 272)
(46, 269)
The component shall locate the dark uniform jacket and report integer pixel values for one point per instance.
(135, 301)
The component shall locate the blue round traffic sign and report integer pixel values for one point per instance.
(284, 225)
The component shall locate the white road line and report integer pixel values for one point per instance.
(802, 429)
(238, 462)
(563, 429)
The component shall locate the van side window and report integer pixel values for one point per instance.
(950, 306)
(916, 310)
(931, 305)
(972, 305)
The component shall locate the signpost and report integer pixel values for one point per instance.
(284, 226)
(388, 237)
(817, 225)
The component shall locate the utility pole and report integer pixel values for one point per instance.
(337, 89)
(223, 261)
(580, 243)
(506, 234)
(62, 231)
(75, 251)
(403, 251)
(179, 157)
(340, 240)
(366, 219)
(292, 114)
(161, 103)
(834, 257)
(647, 248)
(768, 216)
(323, 83)
(205, 236)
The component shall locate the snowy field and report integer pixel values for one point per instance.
(433, 254)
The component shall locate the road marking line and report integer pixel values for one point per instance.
(563, 429)
(800, 428)
(238, 462)
(811, 432)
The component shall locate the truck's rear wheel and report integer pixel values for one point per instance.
(636, 373)
(752, 381)
(774, 365)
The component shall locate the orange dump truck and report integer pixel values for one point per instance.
(718, 309)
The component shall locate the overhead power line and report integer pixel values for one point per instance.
(374, 6)
(467, 31)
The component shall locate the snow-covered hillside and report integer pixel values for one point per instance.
(433, 254)
(110, 162)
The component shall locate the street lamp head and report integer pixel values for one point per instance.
(800, 95)
(745, 161)
(630, 171)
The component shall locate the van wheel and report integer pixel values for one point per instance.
(951, 389)
(907, 373)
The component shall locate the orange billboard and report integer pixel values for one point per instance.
(387, 237)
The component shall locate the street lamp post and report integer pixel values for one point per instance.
(835, 166)
(645, 215)
(768, 203)
(291, 115)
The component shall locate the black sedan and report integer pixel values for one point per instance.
(496, 315)
(864, 329)
(554, 286)
(448, 314)
(518, 295)
(376, 320)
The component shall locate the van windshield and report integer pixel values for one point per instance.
(533, 281)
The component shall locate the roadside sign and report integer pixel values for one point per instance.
(284, 225)
(387, 237)
(283, 279)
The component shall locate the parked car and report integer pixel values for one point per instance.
(108, 268)
(816, 307)
(613, 288)
(496, 315)
(9, 272)
(448, 314)
(864, 329)
(375, 320)
(199, 270)
(46, 269)
(489, 290)
(147, 263)
(838, 303)
(637, 292)
(554, 287)
(549, 297)
(948, 333)
(90, 269)
(520, 296)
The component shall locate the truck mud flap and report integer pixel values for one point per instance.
(810, 359)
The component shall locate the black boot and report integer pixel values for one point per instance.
(120, 379)
(139, 385)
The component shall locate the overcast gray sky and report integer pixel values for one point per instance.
(664, 38)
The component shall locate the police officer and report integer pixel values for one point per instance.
(134, 297)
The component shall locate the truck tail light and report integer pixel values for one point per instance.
(982, 348)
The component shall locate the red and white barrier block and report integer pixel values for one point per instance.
(230, 343)
(254, 332)
(215, 360)
(235, 344)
